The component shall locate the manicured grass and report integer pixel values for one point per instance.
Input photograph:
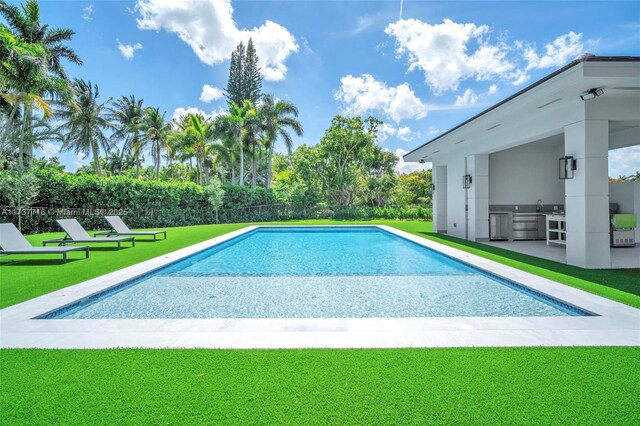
(26, 277)
(306, 387)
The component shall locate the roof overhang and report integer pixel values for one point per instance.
(560, 91)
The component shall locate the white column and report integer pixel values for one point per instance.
(456, 225)
(587, 194)
(478, 196)
(439, 198)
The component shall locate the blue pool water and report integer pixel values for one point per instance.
(309, 272)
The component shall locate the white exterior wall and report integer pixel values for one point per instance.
(525, 174)
(627, 195)
(439, 198)
(587, 195)
(455, 197)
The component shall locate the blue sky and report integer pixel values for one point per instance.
(422, 72)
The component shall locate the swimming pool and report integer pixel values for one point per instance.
(316, 272)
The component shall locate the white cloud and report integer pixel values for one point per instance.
(404, 133)
(468, 98)
(128, 50)
(624, 161)
(557, 53)
(80, 160)
(364, 94)
(433, 131)
(385, 131)
(404, 167)
(493, 89)
(50, 150)
(207, 26)
(88, 12)
(450, 52)
(210, 93)
(181, 111)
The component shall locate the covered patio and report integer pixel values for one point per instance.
(530, 174)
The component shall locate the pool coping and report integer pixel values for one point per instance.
(616, 324)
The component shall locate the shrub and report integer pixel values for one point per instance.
(145, 203)
(141, 203)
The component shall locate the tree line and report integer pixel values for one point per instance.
(40, 103)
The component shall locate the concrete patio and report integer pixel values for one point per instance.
(621, 257)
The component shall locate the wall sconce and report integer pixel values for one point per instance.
(432, 188)
(466, 181)
(567, 167)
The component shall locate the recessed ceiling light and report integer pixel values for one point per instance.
(493, 127)
(460, 141)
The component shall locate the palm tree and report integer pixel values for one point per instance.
(25, 23)
(84, 122)
(127, 114)
(238, 119)
(276, 118)
(45, 76)
(24, 80)
(226, 153)
(114, 163)
(172, 145)
(156, 131)
(253, 140)
(200, 133)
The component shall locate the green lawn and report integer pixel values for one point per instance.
(25, 277)
(395, 386)
(304, 387)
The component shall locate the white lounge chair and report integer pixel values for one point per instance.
(118, 227)
(13, 242)
(77, 234)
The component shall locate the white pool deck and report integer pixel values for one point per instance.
(616, 324)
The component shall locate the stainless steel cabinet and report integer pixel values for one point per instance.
(516, 226)
(499, 226)
(528, 226)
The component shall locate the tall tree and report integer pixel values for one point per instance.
(24, 23)
(156, 131)
(84, 122)
(252, 80)
(245, 80)
(343, 155)
(127, 114)
(234, 91)
(276, 118)
(24, 80)
(200, 133)
(115, 163)
(227, 152)
(237, 120)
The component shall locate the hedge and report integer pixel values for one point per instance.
(145, 204)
